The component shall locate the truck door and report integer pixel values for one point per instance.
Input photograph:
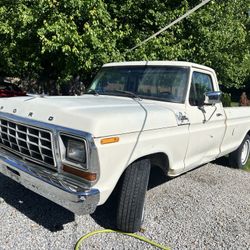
(207, 123)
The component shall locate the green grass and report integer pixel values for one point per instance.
(247, 167)
(234, 104)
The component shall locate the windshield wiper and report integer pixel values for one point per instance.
(128, 93)
(92, 92)
(125, 93)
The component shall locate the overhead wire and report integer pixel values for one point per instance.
(204, 2)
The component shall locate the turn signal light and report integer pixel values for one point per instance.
(86, 175)
(109, 140)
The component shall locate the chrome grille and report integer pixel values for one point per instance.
(31, 142)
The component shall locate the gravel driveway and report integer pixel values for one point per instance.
(207, 208)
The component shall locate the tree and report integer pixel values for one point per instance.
(57, 41)
(215, 35)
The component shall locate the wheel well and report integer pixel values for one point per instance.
(248, 132)
(160, 166)
(159, 160)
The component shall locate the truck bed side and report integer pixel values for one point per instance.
(237, 126)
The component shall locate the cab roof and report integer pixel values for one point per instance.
(159, 63)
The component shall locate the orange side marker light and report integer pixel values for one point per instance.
(110, 140)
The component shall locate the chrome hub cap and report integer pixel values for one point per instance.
(245, 152)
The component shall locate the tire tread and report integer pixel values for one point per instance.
(132, 196)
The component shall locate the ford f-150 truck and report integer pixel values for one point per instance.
(136, 115)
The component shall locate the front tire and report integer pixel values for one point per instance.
(239, 158)
(130, 210)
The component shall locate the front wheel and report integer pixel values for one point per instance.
(130, 211)
(239, 158)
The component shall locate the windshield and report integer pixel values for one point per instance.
(165, 83)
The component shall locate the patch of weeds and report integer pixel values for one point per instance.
(247, 167)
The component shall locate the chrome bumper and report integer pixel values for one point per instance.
(51, 185)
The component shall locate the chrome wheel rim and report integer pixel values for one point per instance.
(245, 152)
(143, 214)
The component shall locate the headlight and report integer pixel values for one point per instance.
(76, 151)
(73, 151)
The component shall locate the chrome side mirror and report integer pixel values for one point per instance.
(212, 97)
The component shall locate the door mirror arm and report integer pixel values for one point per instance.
(204, 113)
(202, 109)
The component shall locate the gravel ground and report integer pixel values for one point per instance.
(207, 208)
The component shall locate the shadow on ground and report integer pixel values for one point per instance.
(52, 216)
(42, 211)
(105, 215)
(223, 161)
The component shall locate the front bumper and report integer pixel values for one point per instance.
(60, 189)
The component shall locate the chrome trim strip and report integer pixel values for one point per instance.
(69, 193)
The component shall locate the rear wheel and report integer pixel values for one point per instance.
(239, 158)
(130, 211)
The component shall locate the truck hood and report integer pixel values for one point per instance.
(98, 115)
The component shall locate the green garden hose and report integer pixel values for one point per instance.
(153, 243)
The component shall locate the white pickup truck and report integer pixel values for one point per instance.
(135, 115)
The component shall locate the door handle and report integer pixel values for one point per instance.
(219, 114)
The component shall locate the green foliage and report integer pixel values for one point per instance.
(215, 35)
(247, 167)
(77, 36)
(56, 39)
(63, 39)
(226, 100)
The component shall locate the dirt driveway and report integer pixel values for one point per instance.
(207, 208)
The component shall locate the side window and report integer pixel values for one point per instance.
(200, 84)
